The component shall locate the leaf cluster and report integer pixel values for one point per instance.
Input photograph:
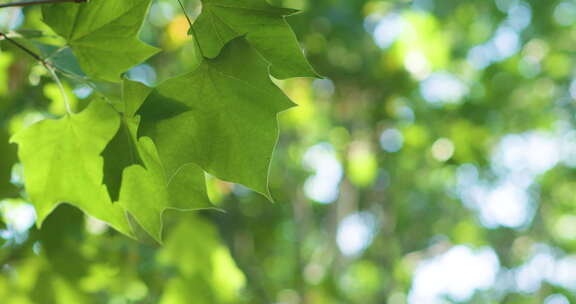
(134, 151)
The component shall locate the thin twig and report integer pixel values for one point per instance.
(51, 69)
(37, 2)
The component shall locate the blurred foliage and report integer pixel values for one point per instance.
(434, 163)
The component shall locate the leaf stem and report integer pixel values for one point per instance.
(185, 14)
(37, 2)
(192, 31)
(61, 88)
(45, 64)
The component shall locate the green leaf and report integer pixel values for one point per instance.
(146, 189)
(122, 151)
(263, 25)
(103, 34)
(62, 163)
(221, 116)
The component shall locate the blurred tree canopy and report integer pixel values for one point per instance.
(435, 162)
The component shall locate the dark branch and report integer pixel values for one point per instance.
(23, 48)
(51, 69)
(37, 2)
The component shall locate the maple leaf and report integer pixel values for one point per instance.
(102, 34)
(264, 27)
(221, 116)
(62, 163)
(146, 189)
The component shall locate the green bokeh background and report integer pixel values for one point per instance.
(434, 163)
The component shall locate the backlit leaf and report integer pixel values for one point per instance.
(222, 116)
(103, 34)
(62, 163)
(264, 27)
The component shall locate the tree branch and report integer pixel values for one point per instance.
(23, 48)
(51, 69)
(37, 2)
